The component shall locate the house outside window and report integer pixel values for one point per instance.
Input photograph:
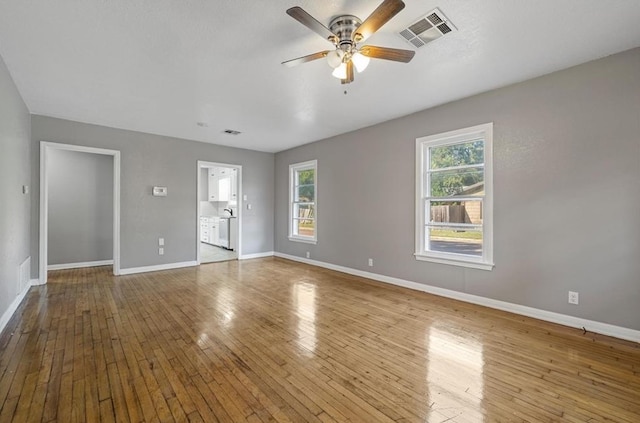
(303, 179)
(454, 197)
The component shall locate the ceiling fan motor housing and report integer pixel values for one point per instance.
(344, 26)
(345, 32)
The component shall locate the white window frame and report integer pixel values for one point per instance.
(485, 262)
(293, 168)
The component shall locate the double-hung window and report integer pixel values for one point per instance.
(454, 197)
(303, 179)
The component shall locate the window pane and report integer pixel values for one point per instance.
(464, 182)
(302, 185)
(306, 177)
(305, 193)
(469, 212)
(469, 153)
(455, 240)
(303, 211)
(304, 227)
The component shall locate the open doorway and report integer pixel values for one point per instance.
(79, 208)
(219, 211)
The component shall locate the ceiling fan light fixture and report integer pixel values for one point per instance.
(345, 32)
(360, 61)
(334, 58)
(340, 72)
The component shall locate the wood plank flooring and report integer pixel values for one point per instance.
(271, 340)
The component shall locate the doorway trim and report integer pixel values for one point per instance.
(206, 164)
(45, 147)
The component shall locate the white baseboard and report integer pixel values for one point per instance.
(36, 282)
(256, 255)
(6, 316)
(157, 267)
(79, 265)
(549, 316)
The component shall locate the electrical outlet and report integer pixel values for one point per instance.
(308, 254)
(161, 251)
(370, 262)
(574, 297)
(161, 241)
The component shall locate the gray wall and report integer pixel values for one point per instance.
(567, 193)
(80, 207)
(149, 160)
(14, 173)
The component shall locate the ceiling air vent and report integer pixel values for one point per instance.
(231, 132)
(431, 27)
(434, 18)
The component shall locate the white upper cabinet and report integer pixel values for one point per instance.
(222, 185)
(224, 188)
(213, 185)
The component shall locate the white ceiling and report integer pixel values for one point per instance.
(160, 66)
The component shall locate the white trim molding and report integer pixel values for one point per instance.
(44, 202)
(79, 265)
(256, 255)
(157, 267)
(8, 314)
(203, 164)
(549, 316)
(425, 196)
(293, 170)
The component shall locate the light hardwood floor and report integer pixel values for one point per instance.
(273, 340)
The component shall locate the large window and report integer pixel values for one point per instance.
(454, 197)
(302, 199)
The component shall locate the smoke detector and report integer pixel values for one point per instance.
(428, 28)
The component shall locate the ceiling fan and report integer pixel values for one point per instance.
(345, 32)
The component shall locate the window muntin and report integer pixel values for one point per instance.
(454, 197)
(303, 205)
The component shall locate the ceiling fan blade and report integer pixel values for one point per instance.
(304, 59)
(310, 22)
(349, 78)
(387, 10)
(386, 53)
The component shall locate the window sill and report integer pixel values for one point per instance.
(303, 240)
(461, 262)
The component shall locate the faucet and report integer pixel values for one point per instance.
(229, 210)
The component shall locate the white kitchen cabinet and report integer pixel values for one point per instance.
(214, 177)
(220, 184)
(209, 230)
(224, 188)
(213, 232)
(204, 230)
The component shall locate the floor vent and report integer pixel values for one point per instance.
(429, 28)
